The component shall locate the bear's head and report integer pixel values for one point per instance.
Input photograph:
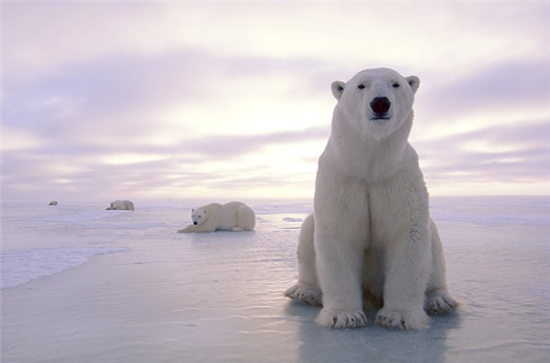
(376, 101)
(199, 215)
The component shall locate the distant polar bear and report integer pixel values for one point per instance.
(53, 202)
(121, 205)
(233, 216)
(371, 239)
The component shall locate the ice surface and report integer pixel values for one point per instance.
(22, 266)
(81, 284)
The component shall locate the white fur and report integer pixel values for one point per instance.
(121, 205)
(233, 216)
(371, 241)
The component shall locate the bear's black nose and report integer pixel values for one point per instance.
(380, 105)
(195, 223)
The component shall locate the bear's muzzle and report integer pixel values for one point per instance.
(380, 106)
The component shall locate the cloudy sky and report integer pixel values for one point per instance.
(231, 100)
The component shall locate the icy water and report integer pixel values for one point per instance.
(81, 284)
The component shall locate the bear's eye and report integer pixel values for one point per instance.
(396, 85)
(361, 86)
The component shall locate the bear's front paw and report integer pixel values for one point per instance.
(439, 302)
(336, 319)
(402, 320)
(187, 229)
(306, 294)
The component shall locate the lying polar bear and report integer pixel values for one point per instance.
(121, 205)
(371, 236)
(233, 216)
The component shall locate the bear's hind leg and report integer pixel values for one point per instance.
(438, 300)
(246, 219)
(307, 289)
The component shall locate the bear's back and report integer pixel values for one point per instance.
(233, 205)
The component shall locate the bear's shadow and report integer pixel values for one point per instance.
(371, 343)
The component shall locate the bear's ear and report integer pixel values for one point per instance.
(337, 88)
(414, 82)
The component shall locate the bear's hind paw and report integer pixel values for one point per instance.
(439, 303)
(305, 294)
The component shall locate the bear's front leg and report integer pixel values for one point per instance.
(408, 263)
(339, 269)
(188, 229)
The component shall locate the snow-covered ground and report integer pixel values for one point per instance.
(81, 284)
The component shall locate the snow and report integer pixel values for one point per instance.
(81, 284)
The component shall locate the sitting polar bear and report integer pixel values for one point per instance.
(121, 205)
(371, 239)
(233, 216)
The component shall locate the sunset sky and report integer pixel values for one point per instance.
(231, 100)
